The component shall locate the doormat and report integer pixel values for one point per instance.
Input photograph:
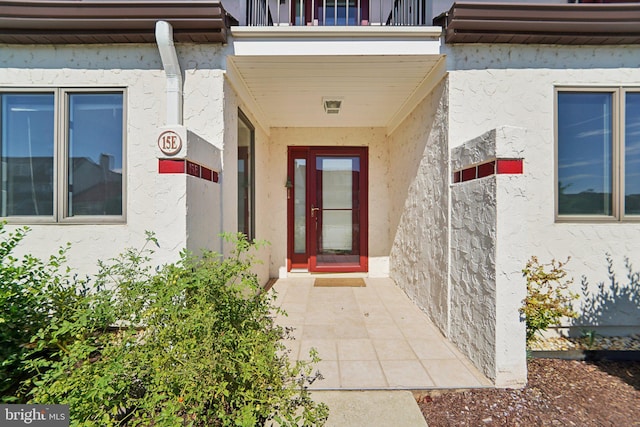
(339, 282)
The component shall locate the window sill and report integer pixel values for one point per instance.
(66, 221)
(595, 219)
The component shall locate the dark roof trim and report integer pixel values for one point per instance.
(571, 24)
(77, 21)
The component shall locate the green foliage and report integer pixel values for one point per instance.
(548, 298)
(33, 295)
(191, 343)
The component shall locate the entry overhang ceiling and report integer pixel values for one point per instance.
(376, 90)
(380, 73)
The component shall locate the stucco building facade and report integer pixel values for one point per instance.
(439, 168)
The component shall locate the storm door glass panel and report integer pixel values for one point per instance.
(338, 12)
(27, 138)
(337, 192)
(632, 154)
(300, 206)
(298, 12)
(585, 153)
(95, 154)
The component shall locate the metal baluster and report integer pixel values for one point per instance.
(403, 17)
(324, 12)
(358, 15)
(405, 13)
(346, 11)
(301, 13)
(411, 11)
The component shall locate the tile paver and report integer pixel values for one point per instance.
(370, 338)
(450, 373)
(405, 374)
(356, 349)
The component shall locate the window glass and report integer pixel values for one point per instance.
(585, 153)
(95, 154)
(27, 139)
(632, 154)
(245, 178)
(300, 206)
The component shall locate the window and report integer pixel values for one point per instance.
(598, 154)
(246, 179)
(62, 155)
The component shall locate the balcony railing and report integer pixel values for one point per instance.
(336, 12)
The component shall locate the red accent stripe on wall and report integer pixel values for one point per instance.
(486, 169)
(193, 169)
(498, 166)
(188, 167)
(513, 166)
(206, 173)
(170, 166)
(469, 174)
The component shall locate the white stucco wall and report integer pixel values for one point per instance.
(379, 177)
(486, 247)
(154, 202)
(419, 205)
(496, 85)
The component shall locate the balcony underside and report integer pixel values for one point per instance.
(284, 73)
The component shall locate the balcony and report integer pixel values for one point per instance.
(337, 13)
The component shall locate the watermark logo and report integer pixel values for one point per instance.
(34, 415)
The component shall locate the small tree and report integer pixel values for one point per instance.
(548, 296)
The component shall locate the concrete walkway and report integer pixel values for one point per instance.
(371, 408)
(370, 338)
(375, 346)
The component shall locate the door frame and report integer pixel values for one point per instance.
(308, 259)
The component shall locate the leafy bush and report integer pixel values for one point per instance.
(191, 343)
(32, 294)
(548, 298)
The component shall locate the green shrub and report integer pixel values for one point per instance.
(33, 293)
(195, 345)
(548, 298)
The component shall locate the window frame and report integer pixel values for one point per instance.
(61, 115)
(251, 220)
(618, 120)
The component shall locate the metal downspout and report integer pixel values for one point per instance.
(164, 39)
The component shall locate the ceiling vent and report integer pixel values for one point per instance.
(332, 105)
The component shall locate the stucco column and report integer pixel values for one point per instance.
(488, 237)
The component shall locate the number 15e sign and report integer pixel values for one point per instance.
(170, 143)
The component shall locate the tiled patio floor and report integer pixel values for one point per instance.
(370, 337)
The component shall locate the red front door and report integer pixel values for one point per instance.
(327, 209)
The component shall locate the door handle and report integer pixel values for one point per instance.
(313, 211)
